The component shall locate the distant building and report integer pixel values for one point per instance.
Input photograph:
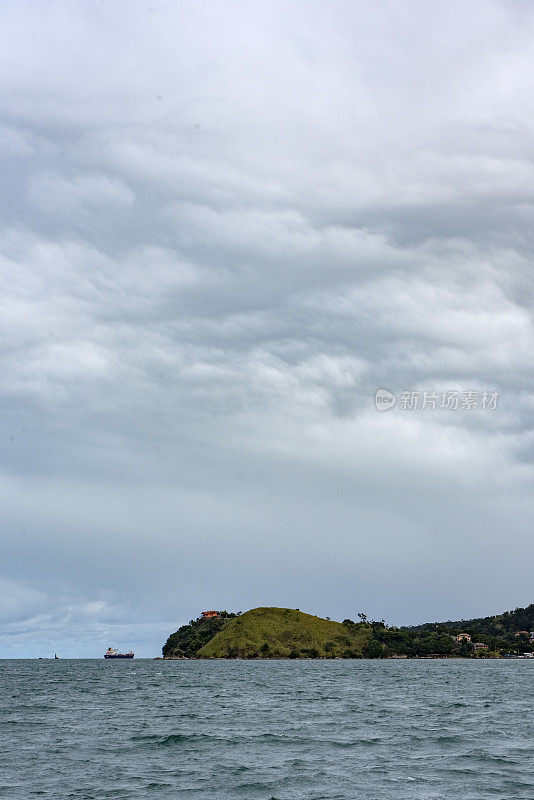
(210, 615)
(522, 633)
(463, 637)
(480, 646)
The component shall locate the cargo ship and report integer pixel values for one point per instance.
(111, 653)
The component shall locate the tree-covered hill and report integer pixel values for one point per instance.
(503, 625)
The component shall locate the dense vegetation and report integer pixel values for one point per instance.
(502, 633)
(288, 633)
(499, 626)
(385, 641)
(189, 639)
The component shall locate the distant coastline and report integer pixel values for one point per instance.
(274, 633)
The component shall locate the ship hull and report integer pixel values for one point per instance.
(120, 655)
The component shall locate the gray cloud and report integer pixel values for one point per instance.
(223, 227)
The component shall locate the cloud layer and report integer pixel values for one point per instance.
(223, 228)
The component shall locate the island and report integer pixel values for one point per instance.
(270, 632)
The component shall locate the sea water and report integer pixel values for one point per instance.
(342, 730)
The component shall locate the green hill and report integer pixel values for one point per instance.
(284, 633)
(503, 625)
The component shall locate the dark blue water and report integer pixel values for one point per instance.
(376, 730)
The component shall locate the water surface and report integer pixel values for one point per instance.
(342, 730)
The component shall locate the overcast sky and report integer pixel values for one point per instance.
(224, 225)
